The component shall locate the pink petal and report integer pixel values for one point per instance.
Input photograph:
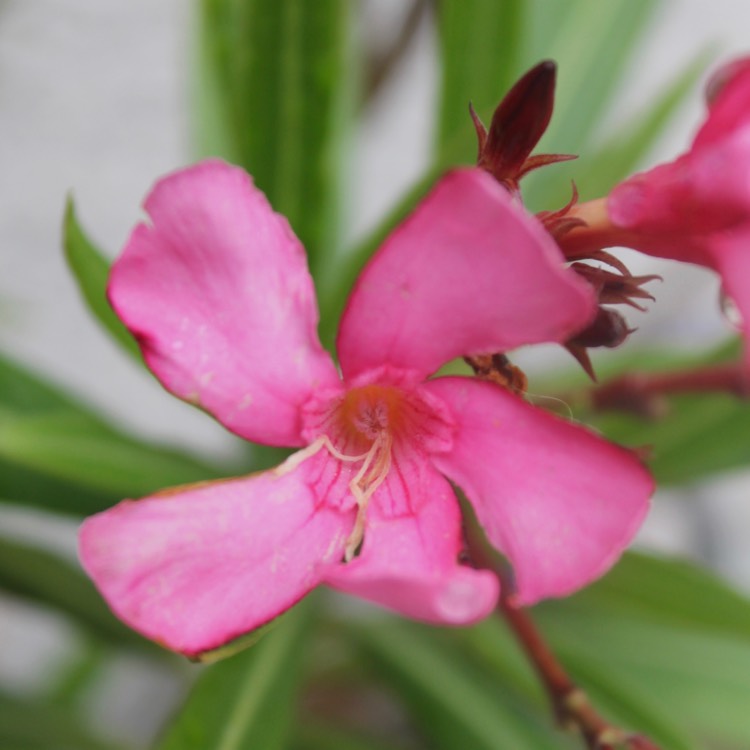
(199, 566)
(671, 210)
(216, 289)
(468, 272)
(728, 93)
(560, 502)
(732, 253)
(409, 562)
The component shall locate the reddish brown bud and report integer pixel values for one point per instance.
(520, 121)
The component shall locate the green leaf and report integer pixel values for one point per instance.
(676, 592)
(57, 453)
(276, 96)
(701, 434)
(588, 78)
(456, 705)
(319, 736)
(91, 270)
(77, 448)
(698, 680)
(27, 725)
(496, 652)
(480, 45)
(245, 701)
(588, 74)
(47, 579)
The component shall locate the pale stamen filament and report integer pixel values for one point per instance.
(293, 461)
(376, 464)
(371, 475)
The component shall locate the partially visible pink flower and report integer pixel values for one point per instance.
(216, 290)
(697, 208)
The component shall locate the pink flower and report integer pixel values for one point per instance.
(697, 208)
(217, 292)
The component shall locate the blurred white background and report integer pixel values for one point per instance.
(94, 99)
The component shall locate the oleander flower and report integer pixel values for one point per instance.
(697, 208)
(216, 290)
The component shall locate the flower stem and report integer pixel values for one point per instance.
(642, 393)
(572, 707)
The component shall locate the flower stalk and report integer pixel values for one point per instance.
(571, 706)
(643, 393)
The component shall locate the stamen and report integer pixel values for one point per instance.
(293, 461)
(376, 463)
(364, 485)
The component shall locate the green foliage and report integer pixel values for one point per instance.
(480, 43)
(455, 704)
(91, 269)
(59, 454)
(274, 97)
(701, 434)
(244, 702)
(29, 725)
(661, 646)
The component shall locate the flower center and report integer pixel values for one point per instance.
(369, 427)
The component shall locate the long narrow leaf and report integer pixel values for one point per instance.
(480, 45)
(91, 269)
(245, 701)
(27, 725)
(674, 591)
(455, 706)
(279, 73)
(57, 453)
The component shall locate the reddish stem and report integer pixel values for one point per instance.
(571, 705)
(641, 393)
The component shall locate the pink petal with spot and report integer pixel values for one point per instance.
(202, 565)
(468, 272)
(409, 562)
(216, 290)
(559, 501)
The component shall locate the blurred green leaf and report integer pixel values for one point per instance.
(47, 579)
(662, 645)
(77, 448)
(319, 736)
(456, 705)
(26, 725)
(275, 97)
(497, 653)
(676, 592)
(245, 701)
(91, 270)
(480, 46)
(699, 680)
(57, 453)
(703, 434)
(591, 46)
